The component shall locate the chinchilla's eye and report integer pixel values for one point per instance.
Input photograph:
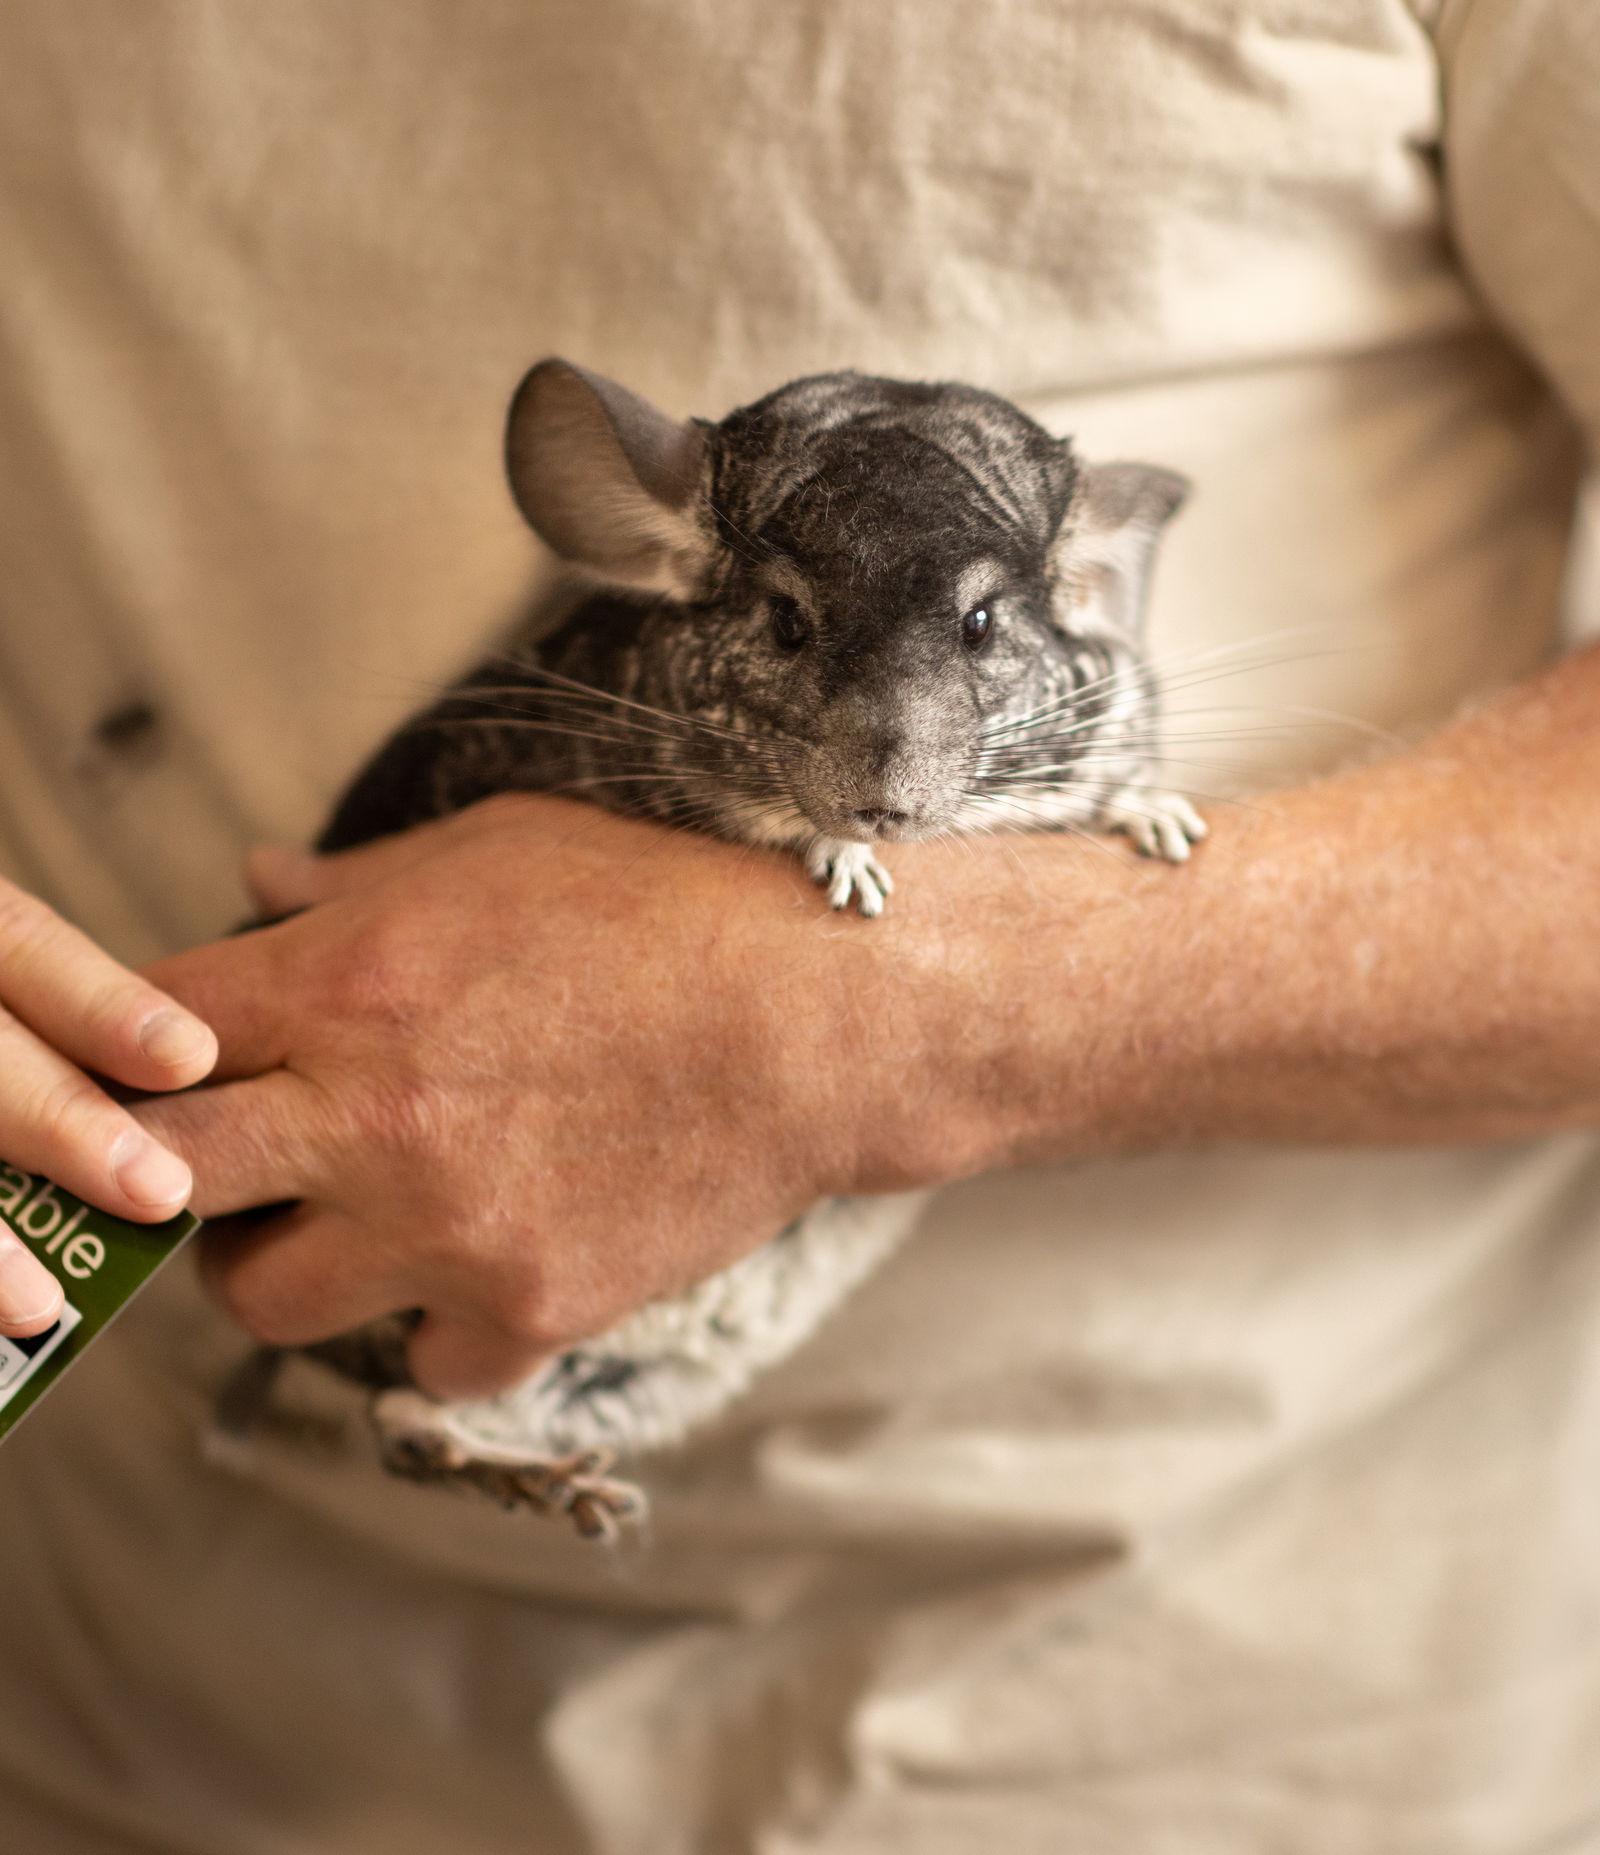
(789, 625)
(976, 627)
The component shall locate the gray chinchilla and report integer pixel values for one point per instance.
(857, 612)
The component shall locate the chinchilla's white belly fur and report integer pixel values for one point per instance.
(675, 1365)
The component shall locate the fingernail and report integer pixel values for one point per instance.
(148, 1173)
(171, 1038)
(29, 1294)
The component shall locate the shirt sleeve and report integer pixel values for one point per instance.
(1522, 172)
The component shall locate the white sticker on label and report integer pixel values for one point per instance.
(20, 1359)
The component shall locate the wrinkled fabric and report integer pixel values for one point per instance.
(1210, 1504)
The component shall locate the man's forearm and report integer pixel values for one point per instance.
(1403, 952)
(534, 1065)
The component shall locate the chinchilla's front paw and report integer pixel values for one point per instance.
(849, 869)
(1162, 824)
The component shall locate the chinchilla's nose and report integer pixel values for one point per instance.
(891, 790)
(884, 789)
(877, 818)
(887, 762)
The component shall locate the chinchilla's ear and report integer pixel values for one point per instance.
(607, 480)
(1106, 547)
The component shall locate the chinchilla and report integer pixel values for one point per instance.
(855, 613)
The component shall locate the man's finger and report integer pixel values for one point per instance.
(88, 1006)
(300, 1276)
(237, 986)
(30, 1296)
(452, 1359)
(54, 1120)
(283, 879)
(262, 1141)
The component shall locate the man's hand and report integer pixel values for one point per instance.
(67, 1008)
(522, 1069)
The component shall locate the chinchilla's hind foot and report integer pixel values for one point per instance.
(576, 1486)
(599, 1505)
(420, 1443)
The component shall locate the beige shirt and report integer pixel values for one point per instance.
(1227, 1503)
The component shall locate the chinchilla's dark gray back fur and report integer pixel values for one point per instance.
(776, 637)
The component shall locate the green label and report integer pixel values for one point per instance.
(100, 1261)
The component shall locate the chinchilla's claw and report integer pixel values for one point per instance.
(1162, 824)
(847, 870)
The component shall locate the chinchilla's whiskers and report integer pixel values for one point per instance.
(754, 784)
(711, 814)
(1009, 814)
(686, 799)
(690, 807)
(1244, 654)
(554, 681)
(1021, 810)
(692, 744)
(527, 724)
(605, 726)
(1035, 774)
(1131, 799)
(514, 700)
(1185, 671)
(618, 726)
(1050, 784)
(1119, 771)
(771, 750)
(1082, 708)
(1151, 733)
(708, 775)
(632, 755)
(678, 749)
(1299, 712)
(1061, 715)
(1173, 772)
(751, 748)
(1053, 754)
(1143, 731)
